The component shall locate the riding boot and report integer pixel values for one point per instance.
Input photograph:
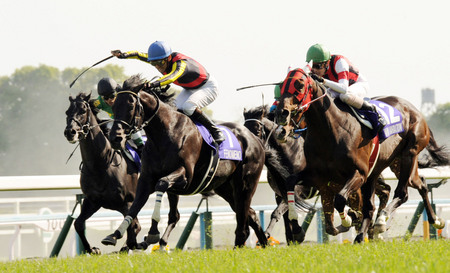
(371, 107)
(209, 124)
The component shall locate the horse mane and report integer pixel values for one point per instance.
(136, 83)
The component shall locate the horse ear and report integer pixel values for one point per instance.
(88, 97)
(70, 98)
(308, 66)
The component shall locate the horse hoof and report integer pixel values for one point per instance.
(380, 224)
(332, 231)
(299, 237)
(359, 238)
(95, 251)
(124, 249)
(439, 223)
(152, 238)
(342, 229)
(110, 240)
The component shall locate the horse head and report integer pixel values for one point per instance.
(78, 118)
(297, 92)
(253, 120)
(130, 109)
(128, 112)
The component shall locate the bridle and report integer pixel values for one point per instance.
(136, 121)
(86, 128)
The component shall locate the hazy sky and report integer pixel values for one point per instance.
(400, 46)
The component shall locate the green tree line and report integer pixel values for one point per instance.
(33, 101)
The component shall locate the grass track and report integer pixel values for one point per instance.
(394, 256)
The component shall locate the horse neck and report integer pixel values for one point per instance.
(95, 147)
(162, 120)
(323, 117)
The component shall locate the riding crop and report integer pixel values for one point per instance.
(109, 57)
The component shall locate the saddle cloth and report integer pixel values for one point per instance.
(392, 116)
(230, 149)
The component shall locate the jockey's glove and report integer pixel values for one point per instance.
(119, 54)
(317, 78)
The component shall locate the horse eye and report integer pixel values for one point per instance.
(298, 85)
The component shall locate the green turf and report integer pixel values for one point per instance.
(394, 256)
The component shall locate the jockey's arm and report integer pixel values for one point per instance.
(340, 87)
(177, 71)
(342, 69)
(135, 55)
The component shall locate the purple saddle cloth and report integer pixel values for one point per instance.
(230, 149)
(392, 116)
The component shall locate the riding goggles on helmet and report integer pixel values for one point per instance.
(110, 96)
(320, 65)
(158, 62)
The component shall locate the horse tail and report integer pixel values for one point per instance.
(437, 155)
(281, 173)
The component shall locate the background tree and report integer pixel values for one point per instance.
(439, 122)
(33, 102)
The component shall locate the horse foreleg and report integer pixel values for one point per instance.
(87, 210)
(143, 191)
(174, 217)
(340, 200)
(256, 225)
(276, 215)
(367, 191)
(177, 178)
(328, 211)
(421, 186)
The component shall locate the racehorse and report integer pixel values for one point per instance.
(108, 179)
(176, 158)
(260, 122)
(337, 151)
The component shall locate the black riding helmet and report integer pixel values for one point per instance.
(107, 87)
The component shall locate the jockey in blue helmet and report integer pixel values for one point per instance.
(187, 73)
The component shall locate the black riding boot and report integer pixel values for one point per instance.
(371, 107)
(209, 124)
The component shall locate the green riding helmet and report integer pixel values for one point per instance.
(318, 54)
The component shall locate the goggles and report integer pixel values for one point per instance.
(158, 62)
(108, 97)
(320, 65)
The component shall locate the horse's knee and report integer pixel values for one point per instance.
(162, 185)
(79, 225)
(339, 202)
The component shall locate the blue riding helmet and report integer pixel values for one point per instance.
(158, 50)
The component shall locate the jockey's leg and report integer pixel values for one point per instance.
(360, 103)
(192, 100)
(210, 125)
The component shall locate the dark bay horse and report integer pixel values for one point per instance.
(337, 149)
(290, 157)
(176, 157)
(108, 179)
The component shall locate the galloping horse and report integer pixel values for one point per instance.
(107, 179)
(337, 150)
(176, 158)
(260, 122)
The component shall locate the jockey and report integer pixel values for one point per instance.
(107, 89)
(342, 79)
(199, 88)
